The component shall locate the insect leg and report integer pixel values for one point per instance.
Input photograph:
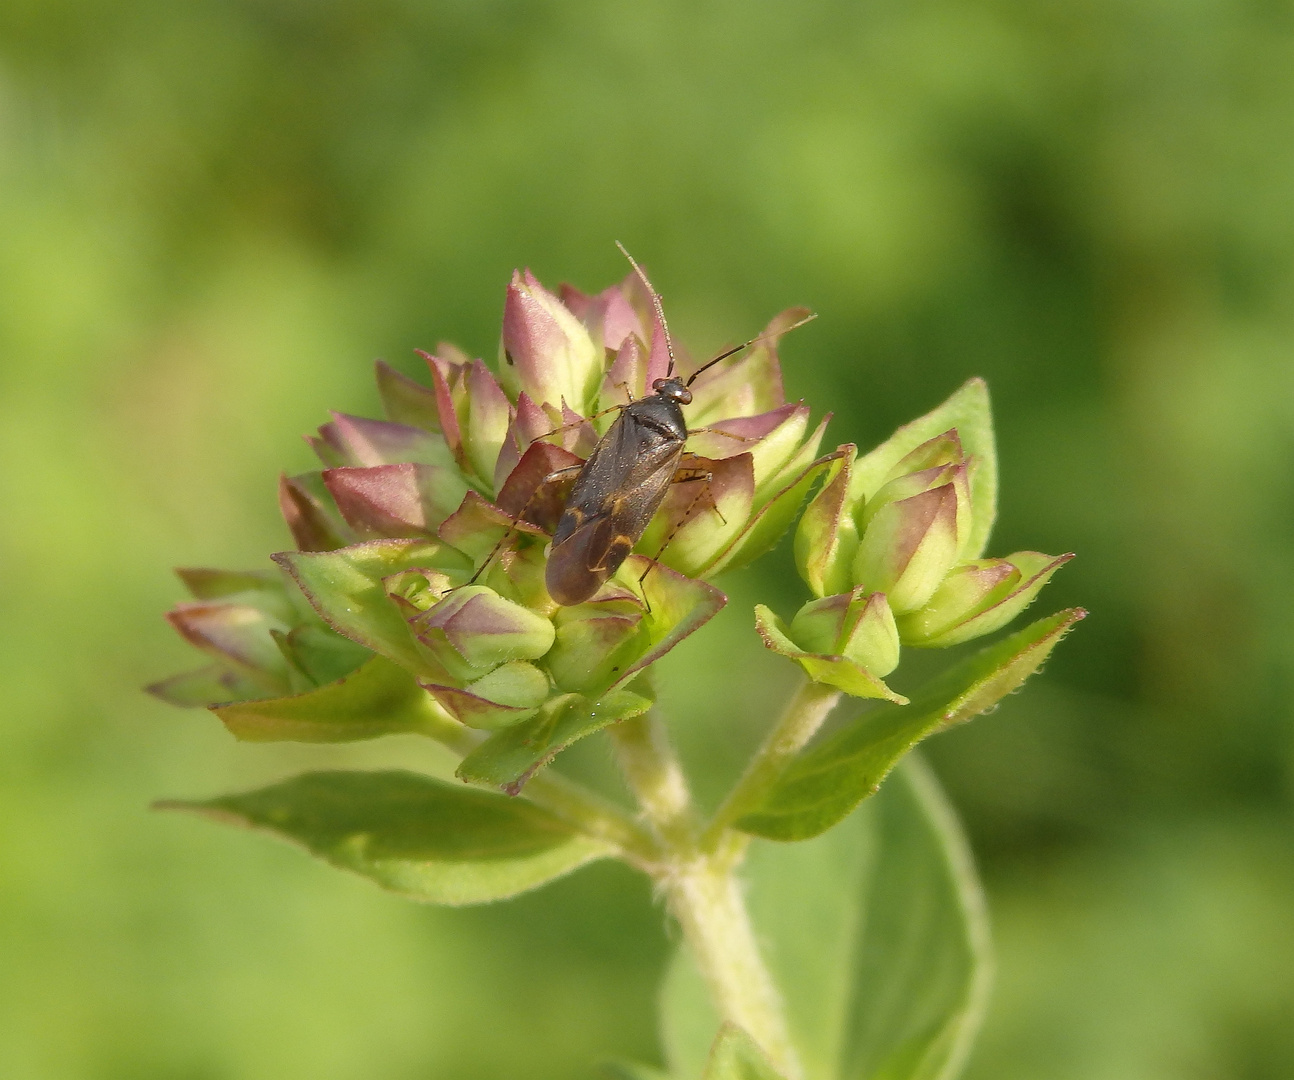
(725, 434)
(582, 420)
(512, 528)
(688, 476)
(691, 468)
(684, 476)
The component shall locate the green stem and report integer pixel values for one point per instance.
(656, 778)
(703, 892)
(706, 899)
(804, 714)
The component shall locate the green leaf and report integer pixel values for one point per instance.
(378, 698)
(512, 756)
(876, 936)
(735, 1056)
(319, 653)
(345, 587)
(424, 838)
(830, 778)
(212, 685)
(969, 412)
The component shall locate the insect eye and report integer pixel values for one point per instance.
(658, 385)
(684, 396)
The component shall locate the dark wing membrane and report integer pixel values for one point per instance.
(626, 476)
(619, 489)
(578, 566)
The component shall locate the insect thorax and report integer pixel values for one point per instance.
(661, 414)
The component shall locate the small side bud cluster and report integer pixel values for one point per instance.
(900, 533)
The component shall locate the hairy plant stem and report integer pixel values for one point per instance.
(703, 892)
(656, 778)
(804, 714)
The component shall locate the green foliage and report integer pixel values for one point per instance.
(379, 698)
(876, 936)
(508, 758)
(829, 779)
(345, 587)
(427, 839)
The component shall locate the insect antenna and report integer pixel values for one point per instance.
(655, 300)
(747, 344)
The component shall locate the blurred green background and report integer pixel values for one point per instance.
(213, 215)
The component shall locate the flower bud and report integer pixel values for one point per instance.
(610, 317)
(488, 418)
(449, 385)
(978, 598)
(826, 539)
(311, 516)
(826, 629)
(591, 639)
(771, 438)
(358, 441)
(626, 379)
(758, 480)
(853, 625)
(474, 630)
(508, 695)
(698, 519)
(944, 449)
(909, 544)
(239, 636)
(547, 352)
(405, 500)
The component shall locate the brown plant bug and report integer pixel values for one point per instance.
(622, 484)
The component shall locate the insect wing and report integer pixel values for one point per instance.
(619, 489)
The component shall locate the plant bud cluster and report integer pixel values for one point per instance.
(392, 532)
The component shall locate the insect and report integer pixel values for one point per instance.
(624, 481)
